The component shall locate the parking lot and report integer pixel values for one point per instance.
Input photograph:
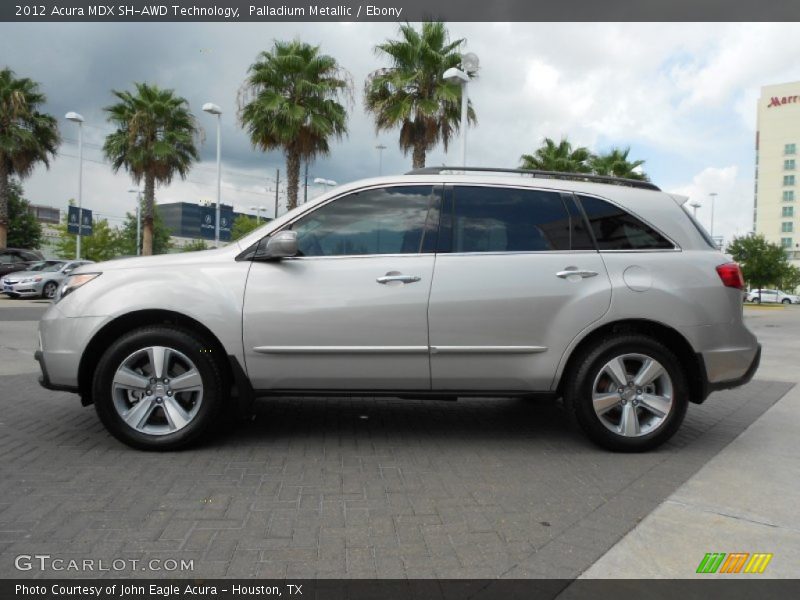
(344, 487)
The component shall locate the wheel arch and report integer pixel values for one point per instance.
(690, 360)
(134, 320)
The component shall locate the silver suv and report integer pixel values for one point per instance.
(438, 284)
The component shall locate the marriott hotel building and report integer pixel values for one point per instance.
(777, 199)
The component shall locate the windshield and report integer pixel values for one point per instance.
(53, 267)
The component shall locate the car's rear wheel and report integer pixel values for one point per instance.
(627, 393)
(49, 290)
(159, 388)
(757, 300)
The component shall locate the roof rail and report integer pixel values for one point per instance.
(645, 185)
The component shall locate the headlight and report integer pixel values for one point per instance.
(73, 282)
(31, 280)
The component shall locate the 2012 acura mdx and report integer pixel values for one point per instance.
(439, 283)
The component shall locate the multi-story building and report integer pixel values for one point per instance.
(189, 222)
(777, 190)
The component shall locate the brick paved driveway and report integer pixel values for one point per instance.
(342, 488)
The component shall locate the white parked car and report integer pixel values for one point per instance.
(774, 296)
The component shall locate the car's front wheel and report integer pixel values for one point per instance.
(628, 393)
(159, 388)
(786, 301)
(49, 290)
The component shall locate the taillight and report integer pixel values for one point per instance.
(731, 275)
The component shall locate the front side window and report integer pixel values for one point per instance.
(788, 180)
(388, 220)
(492, 219)
(616, 229)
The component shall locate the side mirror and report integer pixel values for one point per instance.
(282, 245)
(67, 271)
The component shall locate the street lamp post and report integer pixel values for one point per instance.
(380, 148)
(713, 197)
(138, 193)
(258, 210)
(324, 182)
(469, 64)
(213, 109)
(695, 206)
(76, 118)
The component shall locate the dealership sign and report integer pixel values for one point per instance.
(84, 215)
(781, 100)
(208, 220)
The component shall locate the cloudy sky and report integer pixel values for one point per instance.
(682, 96)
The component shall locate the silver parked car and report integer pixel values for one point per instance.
(439, 283)
(41, 281)
(777, 296)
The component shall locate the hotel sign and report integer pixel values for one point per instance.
(781, 100)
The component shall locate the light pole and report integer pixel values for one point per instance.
(138, 193)
(695, 206)
(380, 148)
(469, 64)
(325, 182)
(76, 118)
(213, 109)
(713, 196)
(258, 210)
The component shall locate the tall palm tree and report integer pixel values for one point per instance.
(411, 93)
(290, 101)
(560, 157)
(155, 139)
(27, 136)
(615, 163)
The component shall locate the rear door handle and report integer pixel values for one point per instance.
(570, 272)
(397, 277)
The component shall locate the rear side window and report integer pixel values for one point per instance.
(616, 229)
(488, 219)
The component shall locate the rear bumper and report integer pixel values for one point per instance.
(715, 386)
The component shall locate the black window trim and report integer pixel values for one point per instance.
(675, 246)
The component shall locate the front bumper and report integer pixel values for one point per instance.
(22, 289)
(44, 378)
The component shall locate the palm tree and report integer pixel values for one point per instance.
(290, 101)
(561, 157)
(615, 163)
(155, 140)
(411, 93)
(27, 136)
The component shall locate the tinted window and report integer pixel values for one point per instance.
(615, 229)
(488, 219)
(379, 221)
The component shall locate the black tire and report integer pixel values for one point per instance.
(756, 300)
(786, 301)
(588, 366)
(49, 290)
(207, 415)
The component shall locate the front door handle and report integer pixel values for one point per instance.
(574, 273)
(393, 276)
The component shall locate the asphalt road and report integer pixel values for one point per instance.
(339, 487)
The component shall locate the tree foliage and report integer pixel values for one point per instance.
(763, 263)
(28, 136)
(24, 231)
(194, 246)
(155, 139)
(290, 102)
(412, 94)
(565, 158)
(103, 244)
(161, 240)
(242, 225)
